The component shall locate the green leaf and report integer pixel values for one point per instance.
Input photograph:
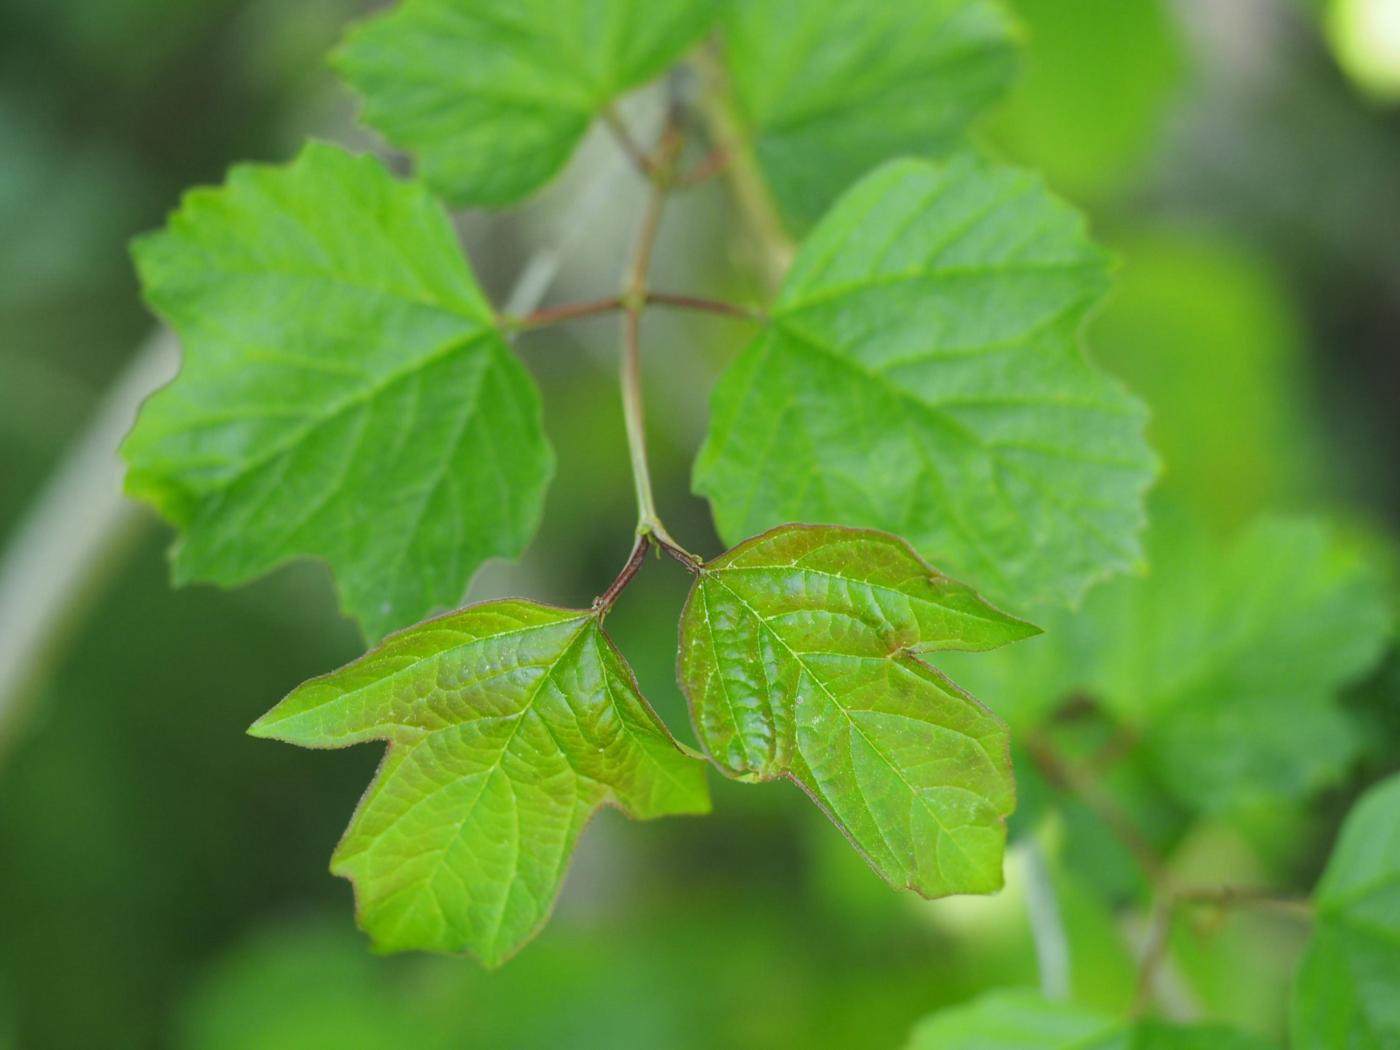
(492, 96)
(1017, 1020)
(509, 725)
(1231, 658)
(800, 658)
(1226, 661)
(1022, 1020)
(1346, 990)
(826, 90)
(345, 393)
(1213, 339)
(922, 373)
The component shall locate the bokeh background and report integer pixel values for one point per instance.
(163, 877)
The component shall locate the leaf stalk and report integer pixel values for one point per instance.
(633, 298)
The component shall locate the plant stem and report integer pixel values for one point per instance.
(606, 600)
(709, 306)
(633, 299)
(751, 193)
(76, 534)
(644, 164)
(550, 315)
(1221, 897)
(1104, 806)
(708, 168)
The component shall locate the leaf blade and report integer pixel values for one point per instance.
(922, 374)
(509, 725)
(494, 96)
(1345, 991)
(798, 661)
(345, 393)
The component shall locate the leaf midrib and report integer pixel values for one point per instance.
(914, 793)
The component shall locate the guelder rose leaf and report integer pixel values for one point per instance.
(1346, 989)
(509, 725)
(826, 90)
(345, 393)
(922, 373)
(800, 656)
(492, 96)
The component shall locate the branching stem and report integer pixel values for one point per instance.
(633, 299)
(710, 167)
(1068, 778)
(620, 131)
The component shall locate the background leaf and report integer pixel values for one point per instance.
(345, 393)
(1023, 1020)
(1099, 79)
(829, 89)
(1235, 656)
(1226, 661)
(922, 373)
(492, 96)
(1345, 994)
(509, 724)
(798, 655)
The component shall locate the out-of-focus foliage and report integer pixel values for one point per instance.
(494, 96)
(1100, 80)
(1346, 988)
(1020, 1021)
(1366, 37)
(826, 90)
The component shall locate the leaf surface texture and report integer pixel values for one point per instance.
(827, 90)
(509, 724)
(345, 393)
(922, 374)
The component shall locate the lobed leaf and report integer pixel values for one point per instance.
(1231, 657)
(1023, 1020)
(509, 725)
(493, 96)
(826, 90)
(800, 656)
(1346, 992)
(1227, 660)
(345, 393)
(922, 373)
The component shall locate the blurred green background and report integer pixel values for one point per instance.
(163, 877)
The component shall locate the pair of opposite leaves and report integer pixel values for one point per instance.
(510, 723)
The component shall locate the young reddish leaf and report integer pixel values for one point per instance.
(801, 657)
